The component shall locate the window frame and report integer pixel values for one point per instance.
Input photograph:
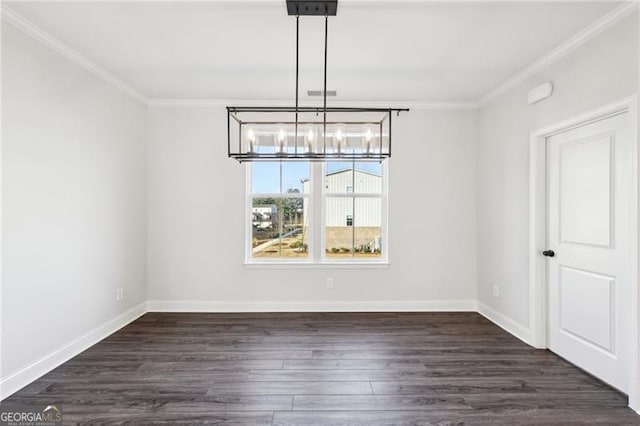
(317, 196)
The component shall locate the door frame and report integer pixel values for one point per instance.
(538, 230)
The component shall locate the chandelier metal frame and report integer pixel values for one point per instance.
(378, 147)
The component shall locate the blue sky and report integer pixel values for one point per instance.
(266, 175)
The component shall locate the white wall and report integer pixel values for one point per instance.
(196, 217)
(73, 197)
(601, 71)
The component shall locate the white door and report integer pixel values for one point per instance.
(589, 190)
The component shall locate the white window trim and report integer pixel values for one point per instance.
(317, 246)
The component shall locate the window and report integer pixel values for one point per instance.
(300, 212)
(279, 198)
(361, 203)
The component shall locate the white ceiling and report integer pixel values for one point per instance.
(378, 50)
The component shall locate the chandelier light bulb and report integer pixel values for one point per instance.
(281, 141)
(339, 140)
(366, 141)
(310, 138)
(253, 141)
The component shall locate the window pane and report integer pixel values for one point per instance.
(338, 177)
(368, 178)
(295, 177)
(368, 227)
(265, 178)
(347, 177)
(335, 166)
(279, 228)
(278, 177)
(339, 230)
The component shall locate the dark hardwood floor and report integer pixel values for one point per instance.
(323, 368)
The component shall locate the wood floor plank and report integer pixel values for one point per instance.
(218, 418)
(291, 388)
(207, 404)
(559, 400)
(131, 388)
(559, 379)
(537, 417)
(368, 364)
(198, 365)
(379, 402)
(332, 375)
(452, 386)
(448, 353)
(189, 354)
(539, 379)
(323, 369)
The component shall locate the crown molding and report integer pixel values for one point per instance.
(597, 27)
(221, 103)
(22, 24)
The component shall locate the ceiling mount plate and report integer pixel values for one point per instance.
(312, 7)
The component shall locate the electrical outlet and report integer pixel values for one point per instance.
(329, 282)
(496, 291)
(119, 294)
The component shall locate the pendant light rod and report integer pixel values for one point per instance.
(297, 74)
(324, 107)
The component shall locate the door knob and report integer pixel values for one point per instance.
(548, 253)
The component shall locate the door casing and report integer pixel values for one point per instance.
(538, 231)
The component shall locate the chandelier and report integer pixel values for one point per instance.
(309, 133)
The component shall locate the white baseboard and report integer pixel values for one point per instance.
(21, 378)
(325, 306)
(507, 324)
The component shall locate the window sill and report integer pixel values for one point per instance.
(316, 265)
